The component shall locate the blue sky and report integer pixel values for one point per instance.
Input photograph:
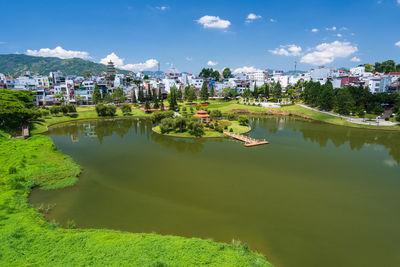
(195, 34)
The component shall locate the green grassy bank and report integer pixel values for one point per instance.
(83, 113)
(27, 239)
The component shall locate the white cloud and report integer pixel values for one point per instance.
(398, 43)
(327, 53)
(148, 64)
(331, 29)
(213, 22)
(162, 8)
(287, 50)
(212, 63)
(119, 63)
(251, 17)
(398, 2)
(315, 30)
(355, 59)
(246, 69)
(339, 35)
(272, 20)
(189, 58)
(58, 52)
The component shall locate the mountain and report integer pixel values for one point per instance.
(17, 63)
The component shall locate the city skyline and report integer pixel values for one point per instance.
(138, 35)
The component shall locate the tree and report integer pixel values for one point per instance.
(180, 123)
(212, 92)
(204, 92)
(189, 94)
(146, 77)
(179, 95)
(255, 91)
(141, 95)
(172, 98)
(369, 68)
(55, 110)
(147, 105)
(78, 99)
(103, 110)
(118, 95)
(246, 93)
(243, 120)
(326, 99)
(216, 114)
(167, 125)
(227, 73)
(226, 92)
(96, 97)
(277, 91)
(134, 100)
(344, 101)
(108, 98)
(60, 97)
(209, 73)
(126, 108)
(159, 94)
(196, 128)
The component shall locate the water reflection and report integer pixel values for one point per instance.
(315, 132)
(322, 133)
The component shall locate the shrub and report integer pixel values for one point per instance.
(44, 112)
(196, 129)
(103, 110)
(71, 224)
(231, 130)
(71, 108)
(64, 109)
(180, 124)
(386, 119)
(184, 109)
(226, 127)
(207, 125)
(55, 110)
(397, 118)
(231, 117)
(157, 116)
(216, 114)
(167, 125)
(211, 126)
(126, 108)
(243, 120)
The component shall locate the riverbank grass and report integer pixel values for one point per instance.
(84, 113)
(27, 239)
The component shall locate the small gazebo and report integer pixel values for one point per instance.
(202, 114)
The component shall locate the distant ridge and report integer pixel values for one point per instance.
(18, 63)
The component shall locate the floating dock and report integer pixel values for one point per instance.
(248, 141)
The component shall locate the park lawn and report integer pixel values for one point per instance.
(298, 110)
(26, 238)
(41, 126)
(227, 108)
(236, 127)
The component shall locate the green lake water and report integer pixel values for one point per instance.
(317, 195)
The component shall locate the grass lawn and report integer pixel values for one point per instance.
(40, 127)
(27, 239)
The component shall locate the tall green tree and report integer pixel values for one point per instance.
(204, 91)
(227, 73)
(344, 101)
(212, 92)
(327, 97)
(277, 91)
(172, 98)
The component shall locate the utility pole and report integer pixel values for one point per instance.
(295, 68)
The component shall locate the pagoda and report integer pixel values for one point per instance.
(110, 70)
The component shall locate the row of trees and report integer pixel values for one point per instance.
(350, 99)
(383, 67)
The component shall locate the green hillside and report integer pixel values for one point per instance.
(15, 64)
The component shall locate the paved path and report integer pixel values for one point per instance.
(361, 121)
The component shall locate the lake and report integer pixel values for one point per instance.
(317, 195)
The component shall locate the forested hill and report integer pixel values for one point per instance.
(16, 63)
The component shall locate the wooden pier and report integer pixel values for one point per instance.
(248, 141)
